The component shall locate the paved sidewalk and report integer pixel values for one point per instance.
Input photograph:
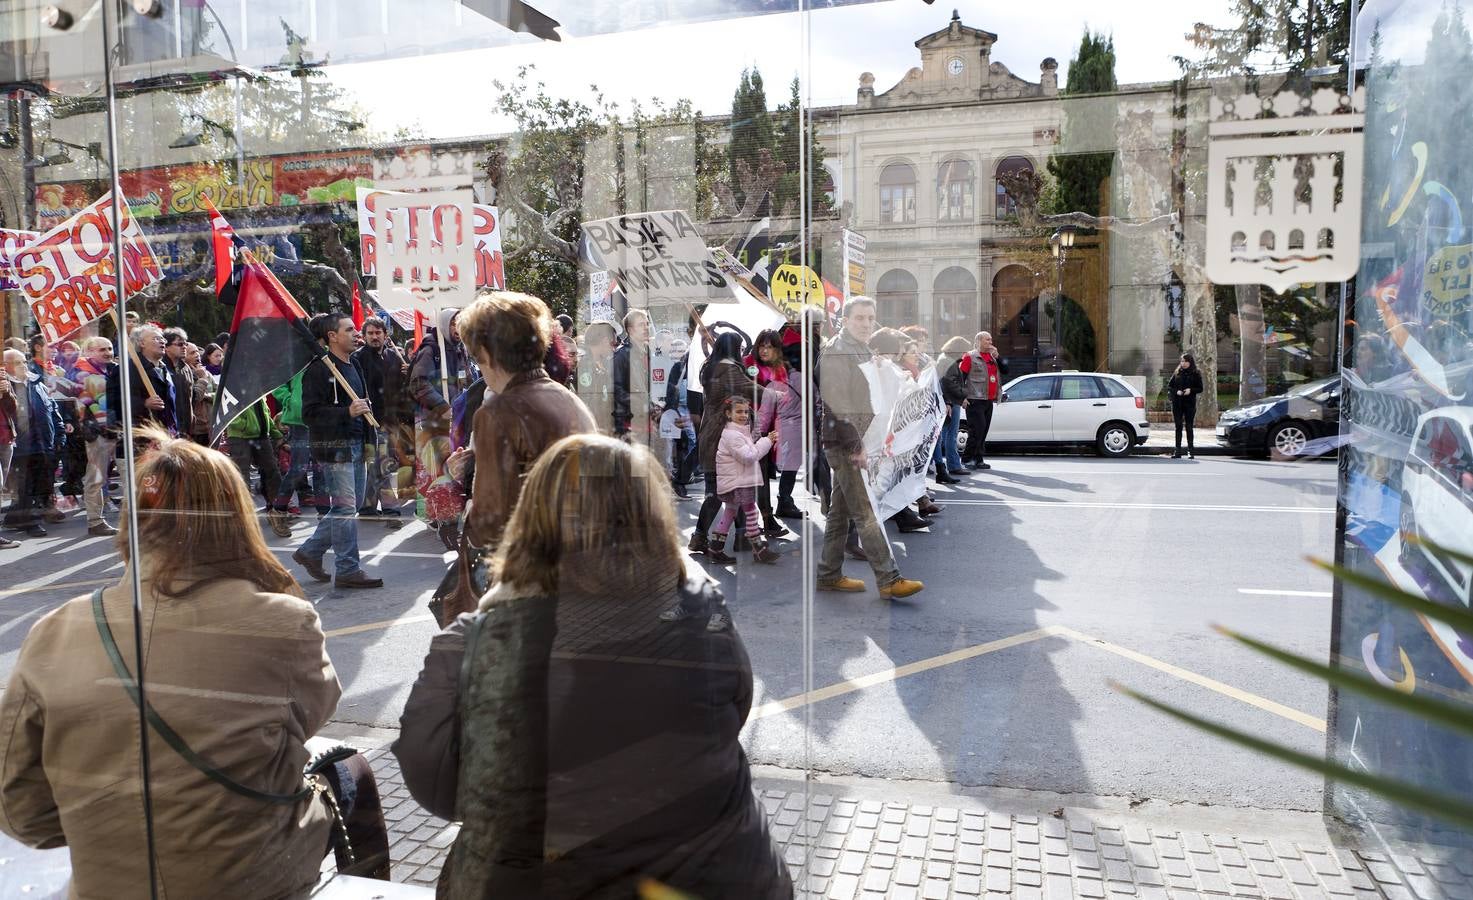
(846, 847)
(1163, 440)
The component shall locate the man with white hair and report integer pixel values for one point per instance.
(982, 371)
(35, 427)
(155, 409)
(95, 372)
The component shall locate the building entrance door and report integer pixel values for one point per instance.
(1015, 316)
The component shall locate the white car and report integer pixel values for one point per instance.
(1071, 408)
(1437, 496)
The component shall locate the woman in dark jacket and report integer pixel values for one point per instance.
(586, 742)
(722, 376)
(1185, 385)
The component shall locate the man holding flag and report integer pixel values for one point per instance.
(337, 420)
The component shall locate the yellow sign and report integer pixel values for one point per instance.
(1448, 285)
(791, 287)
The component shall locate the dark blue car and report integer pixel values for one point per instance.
(1303, 422)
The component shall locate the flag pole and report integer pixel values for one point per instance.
(352, 394)
(127, 342)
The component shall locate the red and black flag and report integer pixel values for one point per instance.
(226, 248)
(269, 343)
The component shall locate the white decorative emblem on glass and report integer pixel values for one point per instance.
(1284, 188)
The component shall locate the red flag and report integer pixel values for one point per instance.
(222, 238)
(269, 343)
(419, 328)
(357, 309)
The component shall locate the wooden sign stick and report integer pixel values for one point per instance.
(352, 395)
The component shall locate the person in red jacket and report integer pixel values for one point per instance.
(982, 370)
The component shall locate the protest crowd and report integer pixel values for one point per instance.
(552, 465)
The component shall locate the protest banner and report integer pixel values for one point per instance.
(600, 297)
(903, 435)
(746, 313)
(68, 274)
(656, 258)
(382, 215)
(795, 286)
(854, 245)
(11, 241)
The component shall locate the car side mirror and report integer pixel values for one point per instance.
(1003, 397)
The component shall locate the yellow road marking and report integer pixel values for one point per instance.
(1211, 684)
(884, 675)
(374, 626)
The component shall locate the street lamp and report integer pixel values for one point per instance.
(1059, 244)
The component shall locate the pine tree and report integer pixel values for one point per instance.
(751, 128)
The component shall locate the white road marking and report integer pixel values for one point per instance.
(1189, 507)
(1274, 592)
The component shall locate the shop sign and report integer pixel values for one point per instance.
(1302, 234)
(68, 275)
(854, 247)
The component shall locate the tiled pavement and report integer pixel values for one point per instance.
(852, 848)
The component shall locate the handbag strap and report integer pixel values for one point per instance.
(169, 735)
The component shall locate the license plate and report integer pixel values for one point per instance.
(1222, 431)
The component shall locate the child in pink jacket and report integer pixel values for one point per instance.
(738, 475)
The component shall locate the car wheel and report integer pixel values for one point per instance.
(1287, 441)
(1115, 439)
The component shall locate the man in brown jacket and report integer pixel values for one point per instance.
(524, 412)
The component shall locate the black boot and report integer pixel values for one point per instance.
(774, 529)
(715, 550)
(945, 477)
(697, 542)
(852, 547)
(762, 554)
(787, 509)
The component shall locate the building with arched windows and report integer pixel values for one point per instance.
(919, 166)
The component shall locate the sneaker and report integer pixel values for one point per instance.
(357, 579)
(101, 529)
(900, 589)
(294, 511)
(719, 621)
(675, 613)
(1191, 455)
(843, 583)
(6, 543)
(36, 530)
(313, 566)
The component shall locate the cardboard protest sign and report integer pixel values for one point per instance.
(854, 247)
(656, 258)
(68, 274)
(793, 287)
(903, 435)
(461, 254)
(600, 297)
(11, 241)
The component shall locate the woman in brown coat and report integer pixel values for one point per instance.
(524, 412)
(237, 667)
(722, 376)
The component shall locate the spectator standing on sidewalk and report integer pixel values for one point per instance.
(377, 360)
(597, 743)
(848, 412)
(228, 628)
(1185, 385)
(336, 432)
(95, 369)
(983, 371)
(36, 426)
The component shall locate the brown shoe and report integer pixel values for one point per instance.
(313, 566)
(843, 583)
(716, 551)
(101, 529)
(357, 579)
(763, 554)
(281, 523)
(900, 589)
(53, 515)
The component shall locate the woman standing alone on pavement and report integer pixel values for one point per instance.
(1185, 385)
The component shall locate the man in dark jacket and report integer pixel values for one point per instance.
(32, 418)
(631, 371)
(380, 364)
(336, 432)
(157, 408)
(847, 414)
(176, 347)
